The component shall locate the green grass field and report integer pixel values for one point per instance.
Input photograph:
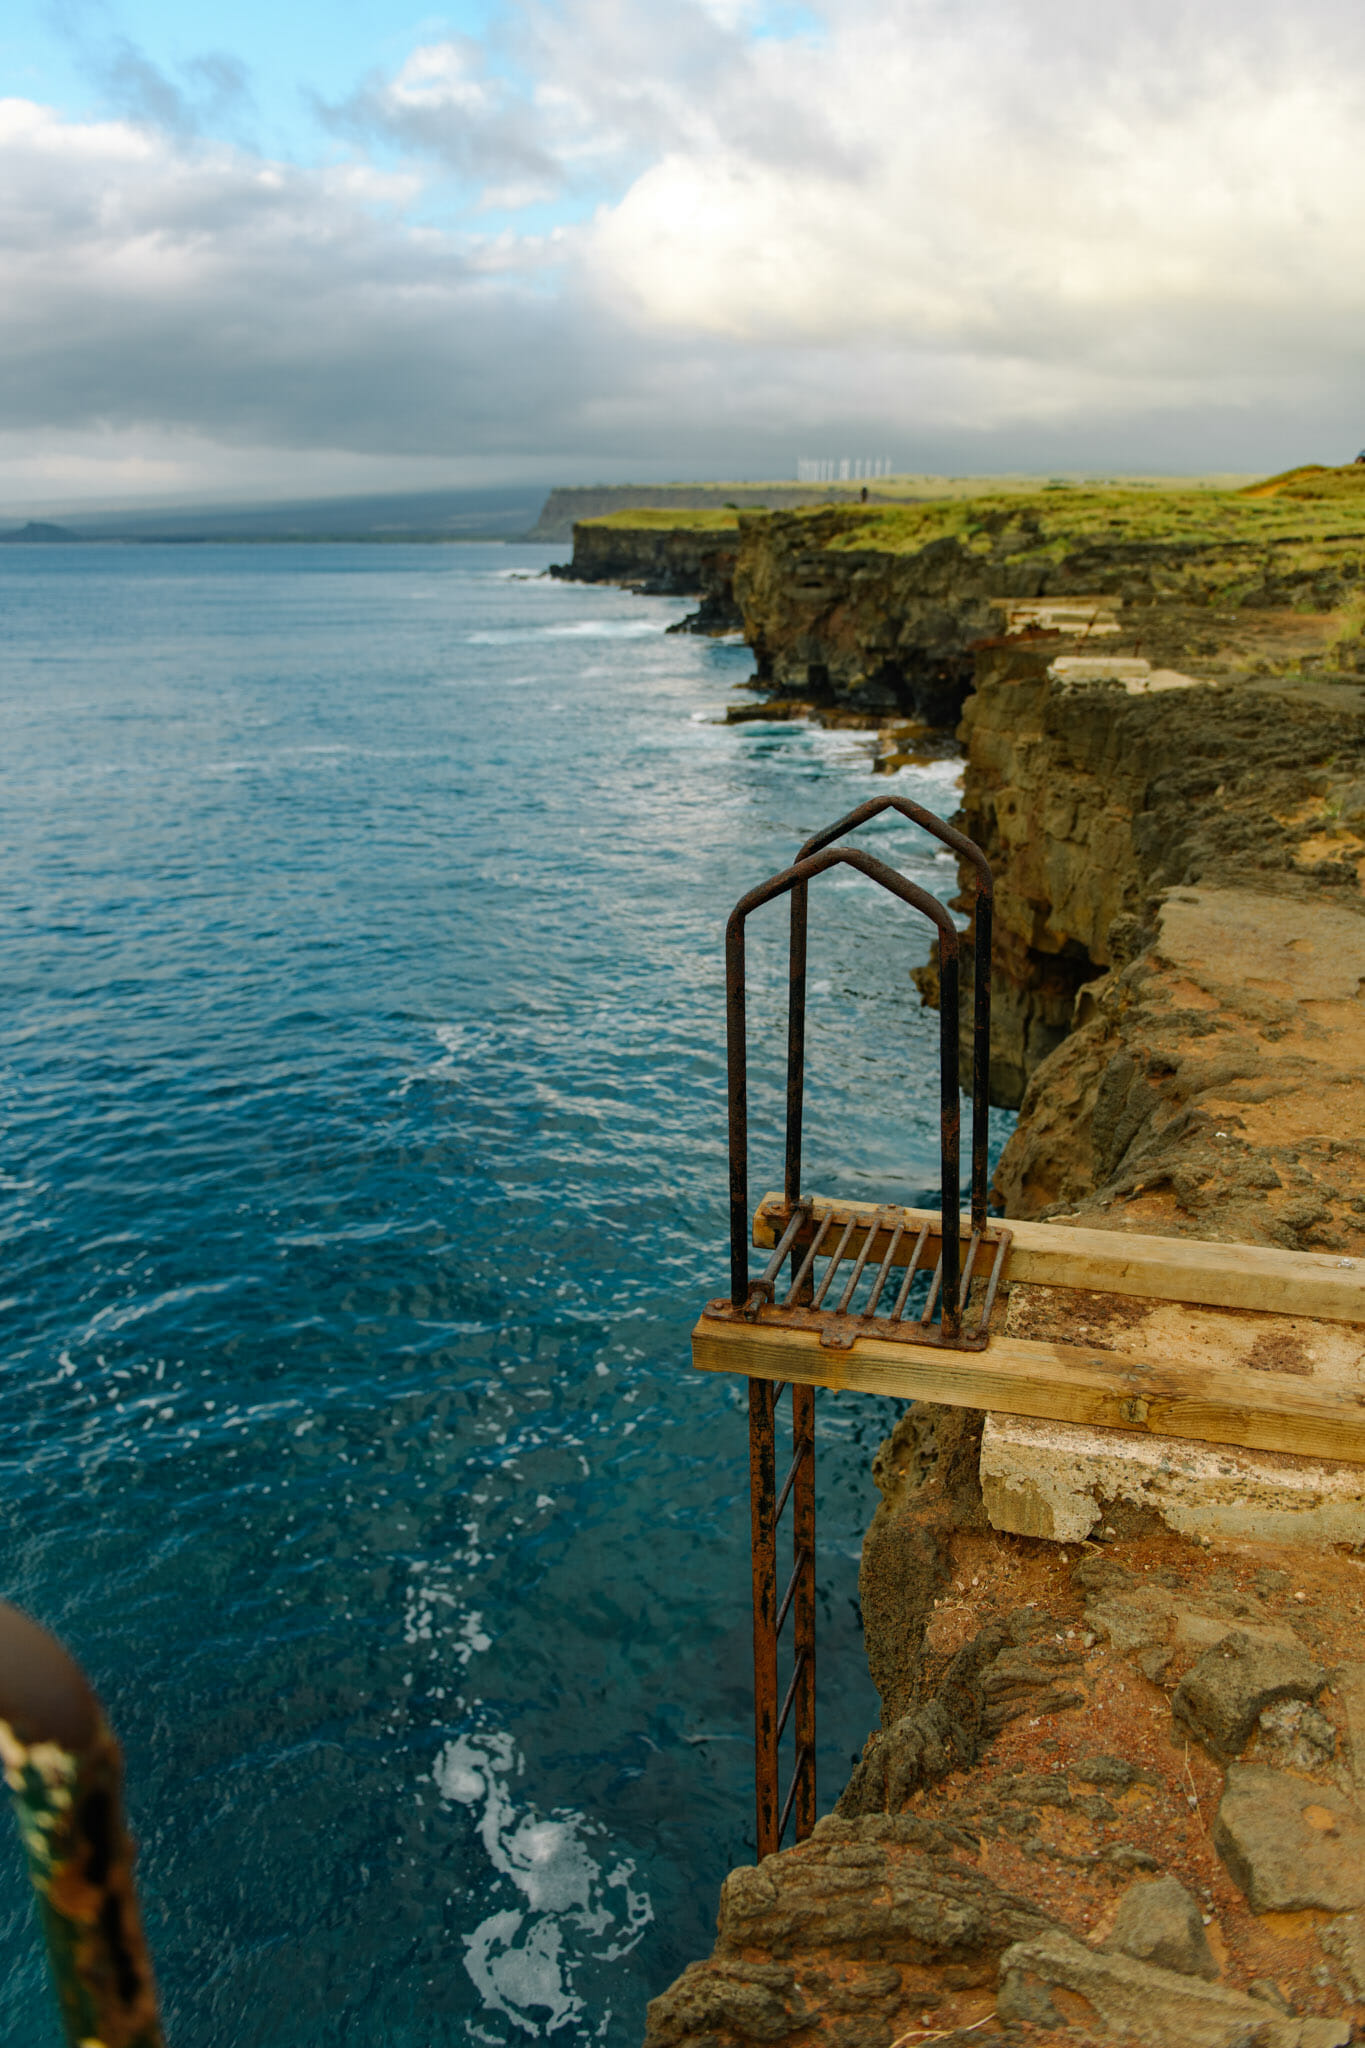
(1306, 505)
(1306, 514)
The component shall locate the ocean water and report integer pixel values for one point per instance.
(361, 1173)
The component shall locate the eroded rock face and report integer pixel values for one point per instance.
(1125, 2000)
(677, 561)
(880, 1887)
(928, 1475)
(851, 1924)
(872, 631)
(1210, 1087)
(1003, 1672)
(1094, 805)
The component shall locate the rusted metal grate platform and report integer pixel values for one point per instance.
(1183, 1361)
(866, 1288)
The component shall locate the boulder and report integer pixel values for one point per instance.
(1160, 1923)
(1223, 1696)
(1290, 1844)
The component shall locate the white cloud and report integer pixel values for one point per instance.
(976, 233)
(1149, 234)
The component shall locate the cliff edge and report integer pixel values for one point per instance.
(1118, 1789)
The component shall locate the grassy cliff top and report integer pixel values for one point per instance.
(717, 512)
(1305, 505)
(1314, 482)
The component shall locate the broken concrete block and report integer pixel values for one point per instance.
(1290, 1844)
(1138, 2002)
(1149, 1622)
(1054, 1479)
(1232, 1684)
(1159, 1922)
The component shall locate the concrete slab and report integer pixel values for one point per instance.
(1057, 1479)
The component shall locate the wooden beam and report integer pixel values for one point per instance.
(1157, 1268)
(1058, 1382)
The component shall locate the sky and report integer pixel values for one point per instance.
(281, 248)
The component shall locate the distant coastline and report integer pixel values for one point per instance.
(522, 513)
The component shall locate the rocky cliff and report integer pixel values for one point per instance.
(654, 554)
(1118, 1791)
(880, 608)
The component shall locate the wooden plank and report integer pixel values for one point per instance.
(1058, 1382)
(1160, 1268)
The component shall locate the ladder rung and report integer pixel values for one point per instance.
(787, 1483)
(802, 1759)
(792, 1585)
(790, 1700)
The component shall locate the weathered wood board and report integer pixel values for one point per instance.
(1059, 1382)
(1122, 1262)
(1196, 1311)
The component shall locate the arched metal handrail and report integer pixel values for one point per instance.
(796, 877)
(65, 1776)
(981, 987)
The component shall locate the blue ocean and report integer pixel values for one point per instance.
(362, 1170)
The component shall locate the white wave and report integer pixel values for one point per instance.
(580, 629)
(949, 771)
(577, 1907)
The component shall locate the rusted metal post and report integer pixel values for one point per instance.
(65, 1777)
(762, 1492)
(803, 1559)
(738, 1066)
(791, 879)
(981, 1041)
(796, 1043)
(950, 1118)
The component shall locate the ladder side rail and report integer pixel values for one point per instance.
(763, 1567)
(981, 971)
(803, 1558)
(796, 1044)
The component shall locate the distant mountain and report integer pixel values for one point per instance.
(41, 529)
(505, 513)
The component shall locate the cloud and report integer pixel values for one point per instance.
(213, 92)
(445, 103)
(967, 235)
(1150, 219)
(572, 96)
(211, 290)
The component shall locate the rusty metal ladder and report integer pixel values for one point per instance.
(802, 1239)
